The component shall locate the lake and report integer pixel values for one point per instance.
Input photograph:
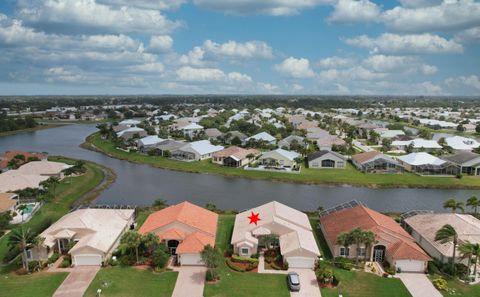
(141, 184)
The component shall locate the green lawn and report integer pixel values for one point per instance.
(131, 282)
(461, 289)
(224, 231)
(317, 176)
(363, 284)
(42, 284)
(322, 244)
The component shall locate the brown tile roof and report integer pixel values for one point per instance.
(6, 201)
(236, 151)
(7, 156)
(363, 157)
(399, 243)
(194, 243)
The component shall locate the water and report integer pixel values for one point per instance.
(141, 184)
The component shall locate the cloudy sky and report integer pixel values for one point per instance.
(426, 47)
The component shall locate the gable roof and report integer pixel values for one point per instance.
(213, 132)
(43, 167)
(235, 151)
(319, 154)
(262, 136)
(462, 157)
(290, 155)
(364, 157)
(192, 126)
(422, 158)
(202, 147)
(150, 140)
(14, 180)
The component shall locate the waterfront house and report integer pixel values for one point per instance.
(235, 156)
(185, 229)
(392, 243)
(425, 164)
(468, 162)
(417, 144)
(148, 143)
(376, 162)
(167, 146)
(279, 158)
(196, 151)
(44, 168)
(13, 180)
(296, 241)
(326, 159)
(94, 234)
(133, 132)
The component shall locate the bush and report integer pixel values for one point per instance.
(440, 283)
(126, 261)
(53, 258)
(251, 266)
(11, 254)
(239, 259)
(390, 270)
(324, 275)
(433, 268)
(65, 263)
(254, 256)
(343, 263)
(233, 266)
(160, 257)
(211, 275)
(34, 266)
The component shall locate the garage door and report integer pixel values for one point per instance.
(87, 260)
(190, 259)
(411, 265)
(300, 262)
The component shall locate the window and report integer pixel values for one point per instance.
(29, 254)
(340, 164)
(361, 252)
(244, 251)
(344, 252)
(315, 164)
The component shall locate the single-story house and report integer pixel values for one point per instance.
(460, 143)
(13, 180)
(95, 234)
(229, 136)
(234, 156)
(44, 168)
(262, 136)
(185, 228)
(7, 156)
(168, 145)
(8, 201)
(418, 144)
(279, 158)
(297, 243)
(131, 133)
(327, 142)
(149, 141)
(393, 244)
(292, 139)
(313, 134)
(468, 162)
(423, 227)
(196, 151)
(425, 164)
(130, 122)
(191, 129)
(213, 133)
(326, 159)
(389, 134)
(119, 128)
(376, 162)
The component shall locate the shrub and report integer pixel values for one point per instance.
(324, 274)
(255, 256)
(239, 259)
(211, 275)
(390, 270)
(251, 266)
(440, 284)
(34, 266)
(65, 263)
(343, 263)
(233, 266)
(53, 258)
(160, 257)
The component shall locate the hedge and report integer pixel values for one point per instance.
(239, 259)
(233, 266)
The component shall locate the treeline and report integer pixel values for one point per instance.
(16, 123)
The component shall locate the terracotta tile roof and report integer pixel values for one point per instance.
(238, 152)
(7, 156)
(187, 213)
(173, 233)
(363, 157)
(194, 243)
(399, 243)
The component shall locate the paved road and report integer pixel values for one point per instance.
(308, 284)
(190, 281)
(419, 285)
(77, 281)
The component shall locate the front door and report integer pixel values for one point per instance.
(172, 246)
(378, 256)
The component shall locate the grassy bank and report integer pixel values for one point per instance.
(37, 128)
(347, 176)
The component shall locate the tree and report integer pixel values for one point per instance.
(454, 205)
(368, 239)
(160, 204)
(211, 258)
(211, 206)
(150, 242)
(476, 254)
(23, 239)
(477, 128)
(160, 256)
(345, 240)
(448, 234)
(131, 240)
(51, 184)
(356, 236)
(460, 128)
(474, 203)
(467, 251)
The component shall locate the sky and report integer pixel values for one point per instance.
(350, 47)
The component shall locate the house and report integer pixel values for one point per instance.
(13, 180)
(376, 162)
(94, 233)
(389, 134)
(44, 168)
(8, 156)
(234, 156)
(425, 164)
(314, 134)
(326, 159)
(418, 144)
(460, 143)
(119, 128)
(392, 243)
(213, 133)
(167, 146)
(297, 243)
(327, 142)
(185, 229)
(468, 162)
(196, 151)
(147, 143)
(262, 137)
(229, 136)
(8, 201)
(279, 158)
(132, 132)
(423, 226)
(191, 129)
(130, 122)
(293, 140)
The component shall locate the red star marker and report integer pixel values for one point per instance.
(254, 218)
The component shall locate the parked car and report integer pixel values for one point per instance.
(293, 281)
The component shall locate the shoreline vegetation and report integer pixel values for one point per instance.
(334, 177)
(27, 130)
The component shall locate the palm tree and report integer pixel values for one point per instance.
(150, 241)
(51, 183)
(357, 237)
(476, 254)
(474, 203)
(345, 240)
(132, 240)
(368, 240)
(448, 234)
(23, 239)
(454, 205)
(466, 251)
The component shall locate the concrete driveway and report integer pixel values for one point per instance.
(308, 283)
(419, 285)
(190, 281)
(77, 281)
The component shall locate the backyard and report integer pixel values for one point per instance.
(349, 175)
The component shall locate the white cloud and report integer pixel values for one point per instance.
(354, 73)
(449, 15)
(154, 67)
(193, 57)
(429, 69)
(61, 74)
(90, 14)
(269, 7)
(352, 11)
(148, 4)
(472, 81)
(188, 73)
(388, 43)
(419, 3)
(398, 64)
(249, 49)
(335, 62)
(468, 36)
(160, 43)
(295, 68)
(341, 89)
(428, 88)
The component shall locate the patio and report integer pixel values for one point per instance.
(23, 216)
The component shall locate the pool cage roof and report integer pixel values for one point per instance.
(350, 204)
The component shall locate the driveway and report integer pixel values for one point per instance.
(308, 283)
(419, 285)
(190, 281)
(77, 281)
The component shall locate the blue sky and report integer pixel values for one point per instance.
(405, 47)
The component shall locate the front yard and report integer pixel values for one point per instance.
(132, 282)
(42, 284)
(457, 288)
